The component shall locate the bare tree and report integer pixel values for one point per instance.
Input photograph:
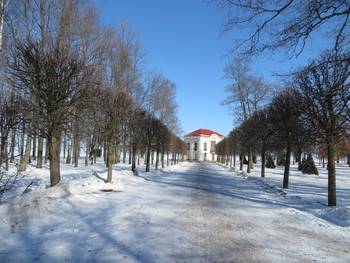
(160, 100)
(9, 118)
(56, 78)
(287, 24)
(325, 87)
(246, 93)
(285, 115)
(263, 132)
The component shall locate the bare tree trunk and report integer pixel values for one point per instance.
(332, 193)
(3, 5)
(64, 146)
(26, 157)
(105, 153)
(148, 159)
(76, 149)
(34, 144)
(54, 156)
(22, 140)
(12, 147)
(287, 167)
(87, 150)
(6, 158)
(241, 162)
(39, 163)
(110, 155)
(133, 163)
(124, 154)
(69, 153)
(163, 161)
(157, 160)
(47, 150)
(263, 161)
(250, 161)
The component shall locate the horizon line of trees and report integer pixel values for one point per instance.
(68, 81)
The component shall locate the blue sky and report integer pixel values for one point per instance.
(182, 41)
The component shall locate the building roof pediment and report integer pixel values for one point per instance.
(204, 132)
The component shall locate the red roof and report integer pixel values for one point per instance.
(203, 132)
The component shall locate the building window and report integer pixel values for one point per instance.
(195, 146)
(188, 146)
(205, 146)
(212, 146)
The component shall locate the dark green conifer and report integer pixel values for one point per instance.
(309, 166)
(270, 163)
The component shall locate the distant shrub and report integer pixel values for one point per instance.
(281, 160)
(308, 166)
(270, 163)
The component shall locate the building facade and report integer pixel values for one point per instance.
(201, 145)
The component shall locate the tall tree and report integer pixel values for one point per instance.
(247, 93)
(326, 98)
(56, 78)
(285, 114)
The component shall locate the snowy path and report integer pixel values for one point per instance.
(233, 220)
(194, 212)
(218, 231)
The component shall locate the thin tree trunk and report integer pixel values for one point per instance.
(157, 160)
(133, 161)
(299, 153)
(163, 161)
(241, 162)
(22, 140)
(6, 158)
(87, 150)
(76, 150)
(54, 157)
(34, 145)
(124, 155)
(287, 167)
(64, 146)
(148, 159)
(105, 153)
(110, 154)
(12, 147)
(332, 192)
(69, 151)
(26, 157)
(39, 163)
(47, 150)
(263, 160)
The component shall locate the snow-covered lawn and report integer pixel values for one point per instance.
(191, 212)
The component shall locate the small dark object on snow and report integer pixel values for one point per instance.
(109, 190)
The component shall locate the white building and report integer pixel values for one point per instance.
(201, 145)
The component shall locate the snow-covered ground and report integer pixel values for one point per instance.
(191, 212)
